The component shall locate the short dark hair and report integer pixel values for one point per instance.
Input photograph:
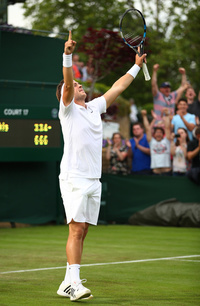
(138, 123)
(58, 90)
(182, 99)
(158, 128)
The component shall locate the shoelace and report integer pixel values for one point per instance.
(82, 281)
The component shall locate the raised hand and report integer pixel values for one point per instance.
(156, 67)
(109, 142)
(181, 70)
(143, 112)
(140, 59)
(70, 44)
(179, 112)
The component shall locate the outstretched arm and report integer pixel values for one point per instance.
(154, 84)
(68, 92)
(172, 145)
(167, 122)
(180, 91)
(155, 117)
(183, 85)
(121, 84)
(146, 125)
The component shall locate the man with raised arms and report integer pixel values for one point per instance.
(81, 162)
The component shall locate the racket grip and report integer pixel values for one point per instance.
(146, 72)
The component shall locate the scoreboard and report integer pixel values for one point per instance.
(30, 134)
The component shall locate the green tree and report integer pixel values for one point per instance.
(106, 52)
(172, 29)
(77, 15)
(187, 43)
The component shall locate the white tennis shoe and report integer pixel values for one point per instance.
(64, 290)
(78, 291)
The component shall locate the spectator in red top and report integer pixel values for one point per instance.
(76, 66)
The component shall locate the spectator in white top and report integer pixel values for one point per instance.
(159, 144)
(179, 143)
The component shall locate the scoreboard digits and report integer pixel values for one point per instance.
(29, 133)
(4, 127)
(40, 127)
(41, 139)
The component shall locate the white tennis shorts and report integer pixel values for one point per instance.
(81, 199)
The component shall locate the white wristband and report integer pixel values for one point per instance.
(67, 60)
(134, 70)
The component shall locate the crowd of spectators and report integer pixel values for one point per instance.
(169, 144)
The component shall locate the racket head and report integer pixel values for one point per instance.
(133, 28)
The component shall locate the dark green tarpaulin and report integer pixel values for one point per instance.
(169, 213)
(125, 195)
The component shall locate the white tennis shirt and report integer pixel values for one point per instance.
(82, 133)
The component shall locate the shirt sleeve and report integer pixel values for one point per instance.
(192, 119)
(64, 110)
(157, 95)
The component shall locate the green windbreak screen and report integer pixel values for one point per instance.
(13, 93)
(30, 58)
(31, 68)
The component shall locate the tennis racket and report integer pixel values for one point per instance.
(133, 31)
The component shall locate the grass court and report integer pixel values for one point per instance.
(135, 265)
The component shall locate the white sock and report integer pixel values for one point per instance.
(67, 279)
(74, 273)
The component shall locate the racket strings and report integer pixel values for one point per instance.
(136, 40)
(132, 27)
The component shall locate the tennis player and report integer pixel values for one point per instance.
(81, 162)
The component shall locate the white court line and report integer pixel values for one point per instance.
(104, 264)
(188, 260)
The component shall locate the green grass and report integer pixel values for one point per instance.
(164, 282)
